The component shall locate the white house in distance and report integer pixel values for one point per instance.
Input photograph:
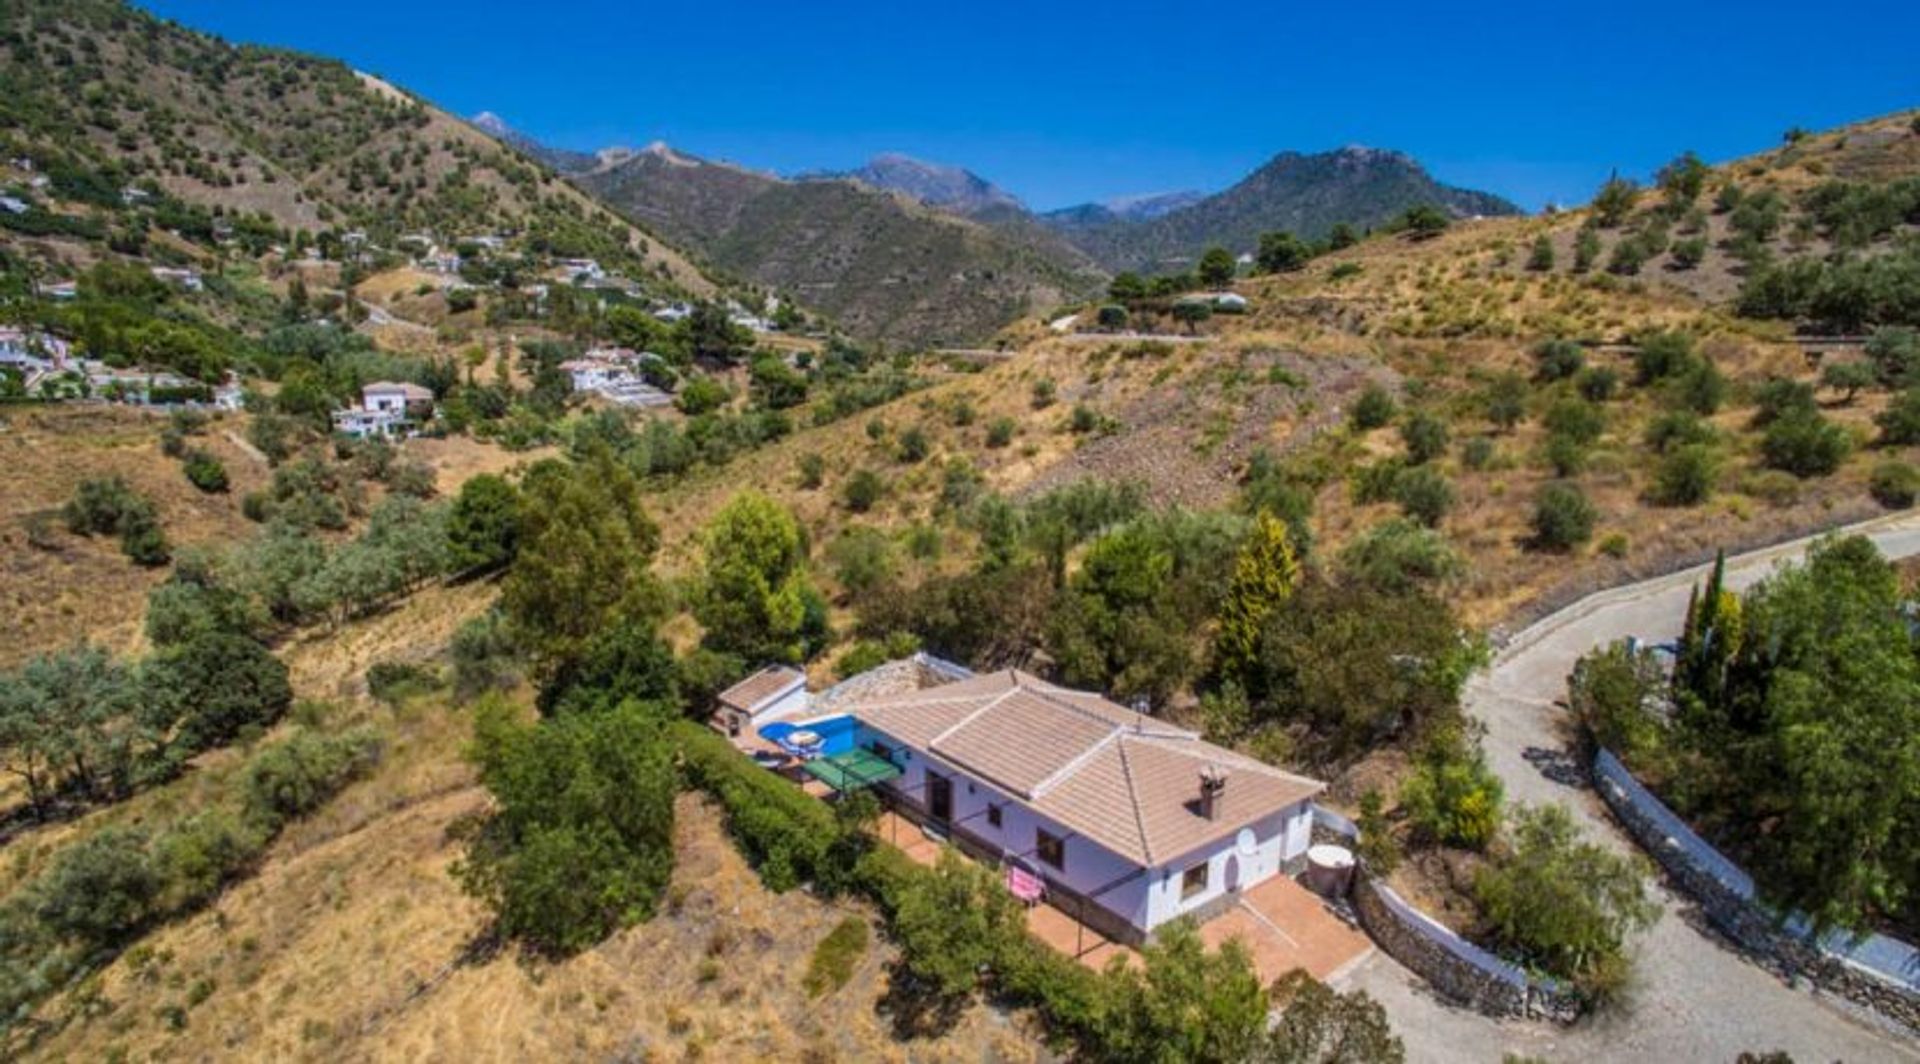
(387, 408)
(774, 693)
(1138, 822)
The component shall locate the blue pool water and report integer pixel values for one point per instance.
(837, 734)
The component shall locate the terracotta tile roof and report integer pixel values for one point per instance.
(1125, 780)
(770, 682)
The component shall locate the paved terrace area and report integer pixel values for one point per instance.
(1281, 924)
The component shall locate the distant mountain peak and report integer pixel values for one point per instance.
(950, 188)
(1152, 204)
(1299, 192)
(491, 124)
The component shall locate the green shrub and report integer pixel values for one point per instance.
(1894, 484)
(1563, 903)
(205, 472)
(1558, 359)
(1805, 444)
(1563, 518)
(912, 446)
(1613, 693)
(863, 489)
(1452, 797)
(1477, 453)
(1425, 436)
(1423, 494)
(1899, 423)
(1000, 432)
(812, 469)
(1686, 476)
(1373, 409)
(1598, 384)
(1377, 846)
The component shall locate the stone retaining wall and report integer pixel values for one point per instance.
(1450, 964)
(1737, 914)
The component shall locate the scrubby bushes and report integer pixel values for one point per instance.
(1452, 797)
(108, 507)
(96, 895)
(1563, 518)
(1565, 904)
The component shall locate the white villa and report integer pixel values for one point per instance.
(1127, 819)
(184, 278)
(612, 373)
(387, 408)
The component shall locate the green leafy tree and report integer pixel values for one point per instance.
(1216, 267)
(1423, 494)
(701, 394)
(1615, 201)
(1359, 666)
(1341, 236)
(863, 489)
(1118, 628)
(1185, 1003)
(580, 843)
(583, 563)
(1424, 221)
(1281, 252)
(1686, 476)
(1899, 423)
(1683, 179)
(1614, 692)
(1319, 1025)
(1264, 575)
(777, 385)
(953, 924)
(758, 601)
(208, 690)
(483, 525)
(1127, 288)
(1586, 249)
(1506, 399)
(1192, 313)
(205, 472)
(1848, 378)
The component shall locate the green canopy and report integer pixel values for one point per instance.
(852, 770)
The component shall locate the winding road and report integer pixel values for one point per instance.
(1694, 997)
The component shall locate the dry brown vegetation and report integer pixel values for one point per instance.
(58, 588)
(353, 942)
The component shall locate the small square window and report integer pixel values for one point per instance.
(1050, 848)
(993, 815)
(1193, 881)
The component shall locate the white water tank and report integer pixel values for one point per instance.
(1329, 870)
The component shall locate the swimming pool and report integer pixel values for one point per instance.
(837, 734)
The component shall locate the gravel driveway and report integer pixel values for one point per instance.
(1695, 998)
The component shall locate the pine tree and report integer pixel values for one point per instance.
(1264, 576)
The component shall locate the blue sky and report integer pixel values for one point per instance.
(1067, 102)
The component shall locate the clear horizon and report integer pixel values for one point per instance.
(1080, 103)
